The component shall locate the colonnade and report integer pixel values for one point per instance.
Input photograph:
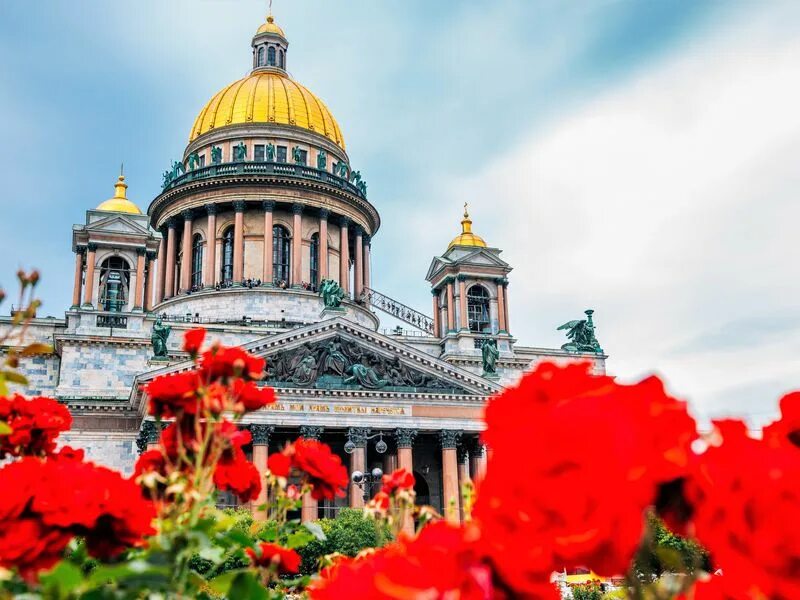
(450, 305)
(86, 292)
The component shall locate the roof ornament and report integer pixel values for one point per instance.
(466, 222)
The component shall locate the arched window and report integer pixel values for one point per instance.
(478, 309)
(260, 62)
(115, 281)
(226, 272)
(282, 56)
(271, 56)
(314, 260)
(197, 261)
(280, 255)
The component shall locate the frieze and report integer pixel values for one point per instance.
(334, 363)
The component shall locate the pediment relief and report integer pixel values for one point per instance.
(118, 224)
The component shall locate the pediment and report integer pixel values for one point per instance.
(476, 256)
(338, 355)
(119, 224)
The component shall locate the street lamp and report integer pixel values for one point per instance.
(380, 445)
(366, 481)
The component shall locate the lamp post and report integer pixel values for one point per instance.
(366, 481)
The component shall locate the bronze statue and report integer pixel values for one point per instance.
(322, 159)
(158, 338)
(216, 154)
(490, 354)
(239, 152)
(335, 361)
(194, 161)
(270, 153)
(332, 294)
(581, 335)
(366, 377)
(306, 370)
(297, 156)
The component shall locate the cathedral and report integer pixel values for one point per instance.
(262, 234)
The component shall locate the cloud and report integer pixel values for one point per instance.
(669, 205)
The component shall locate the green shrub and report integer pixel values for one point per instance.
(587, 591)
(349, 533)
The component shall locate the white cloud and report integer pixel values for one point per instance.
(669, 205)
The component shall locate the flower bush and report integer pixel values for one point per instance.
(583, 472)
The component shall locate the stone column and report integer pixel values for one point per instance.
(88, 285)
(238, 242)
(266, 275)
(310, 509)
(169, 260)
(323, 244)
(210, 270)
(477, 459)
(505, 305)
(463, 476)
(148, 291)
(77, 283)
(344, 256)
(138, 296)
(297, 245)
(186, 264)
(358, 286)
(462, 303)
(261, 434)
(501, 306)
(405, 460)
(437, 327)
(451, 316)
(452, 505)
(160, 279)
(367, 261)
(358, 462)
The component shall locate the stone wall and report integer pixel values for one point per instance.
(101, 369)
(114, 450)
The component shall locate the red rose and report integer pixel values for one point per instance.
(321, 468)
(746, 498)
(35, 424)
(31, 546)
(193, 339)
(279, 464)
(271, 555)
(173, 395)
(380, 502)
(221, 362)
(400, 479)
(238, 475)
(69, 453)
(787, 428)
(582, 435)
(251, 396)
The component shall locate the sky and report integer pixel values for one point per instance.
(637, 158)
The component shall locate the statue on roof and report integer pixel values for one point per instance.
(322, 160)
(581, 335)
(490, 354)
(194, 161)
(270, 153)
(216, 155)
(239, 152)
(158, 338)
(332, 294)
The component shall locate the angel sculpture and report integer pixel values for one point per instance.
(581, 335)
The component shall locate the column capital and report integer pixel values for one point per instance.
(358, 230)
(310, 432)
(367, 239)
(92, 247)
(297, 208)
(461, 277)
(148, 434)
(187, 214)
(358, 435)
(172, 223)
(476, 448)
(239, 205)
(268, 205)
(151, 255)
(449, 438)
(80, 249)
(261, 433)
(211, 209)
(344, 221)
(463, 454)
(324, 213)
(435, 292)
(405, 437)
(141, 251)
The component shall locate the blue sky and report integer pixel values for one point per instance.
(635, 157)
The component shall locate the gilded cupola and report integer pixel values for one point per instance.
(120, 202)
(467, 237)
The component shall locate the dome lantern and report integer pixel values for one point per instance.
(269, 47)
(466, 237)
(120, 202)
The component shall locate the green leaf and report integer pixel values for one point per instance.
(36, 348)
(212, 553)
(222, 583)
(61, 580)
(315, 530)
(15, 377)
(299, 538)
(245, 586)
(5, 428)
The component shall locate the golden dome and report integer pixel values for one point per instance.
(466, 237)
(267, 97)
(120, 202)
(270, 27)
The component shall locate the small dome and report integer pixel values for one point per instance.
(466, 237)
(270, 27)
(120, 203)
(267, 97)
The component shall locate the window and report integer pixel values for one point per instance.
(314, 260)
(202, 162)
(478, 309)
(115, 280)
(281, 154)
(303, 157)
(197, 261)
(280, 255)
(258, 153)
(226, 272)
(271, 56)
(282, 59)
(260, 61)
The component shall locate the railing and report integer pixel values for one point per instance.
(244, 321)
(112, 321)
(399, 310)
(265, 168)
